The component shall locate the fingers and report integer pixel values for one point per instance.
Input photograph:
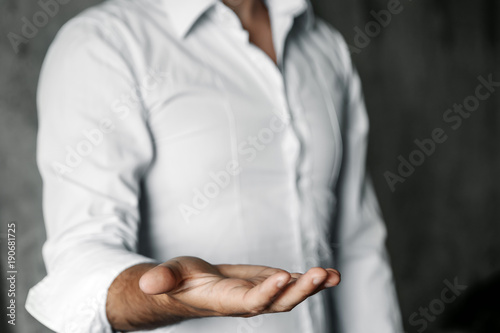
(160, 279)
(261, 296)
(246, 271)
(333, 278)
(238, 289)
(306, 285)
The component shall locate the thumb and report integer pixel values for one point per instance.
(160, 279)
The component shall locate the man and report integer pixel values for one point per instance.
(195, 156)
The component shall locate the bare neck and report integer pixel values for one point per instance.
(255, 19)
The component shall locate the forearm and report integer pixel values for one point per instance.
(129, 309)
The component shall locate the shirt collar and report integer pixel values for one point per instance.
(184, 13)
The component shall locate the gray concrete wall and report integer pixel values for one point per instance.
(442, 221)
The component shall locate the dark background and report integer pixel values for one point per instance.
(442, 221)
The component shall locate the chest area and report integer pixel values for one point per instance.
(219, 103)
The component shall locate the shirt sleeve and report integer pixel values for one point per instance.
(365, 299)
(93, 149)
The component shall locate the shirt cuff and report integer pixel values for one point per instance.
(73, 301)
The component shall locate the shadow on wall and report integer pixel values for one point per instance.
(477, 310)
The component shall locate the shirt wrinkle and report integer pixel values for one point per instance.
(227, 156)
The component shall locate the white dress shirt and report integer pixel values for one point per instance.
(165, 132)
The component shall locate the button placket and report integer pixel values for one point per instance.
(274, 80)
(294, 143)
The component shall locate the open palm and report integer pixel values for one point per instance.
(234, 290)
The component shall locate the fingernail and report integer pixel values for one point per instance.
(329, 285)
(280, 283)
(317, 281)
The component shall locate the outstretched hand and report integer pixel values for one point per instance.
(234, 290)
